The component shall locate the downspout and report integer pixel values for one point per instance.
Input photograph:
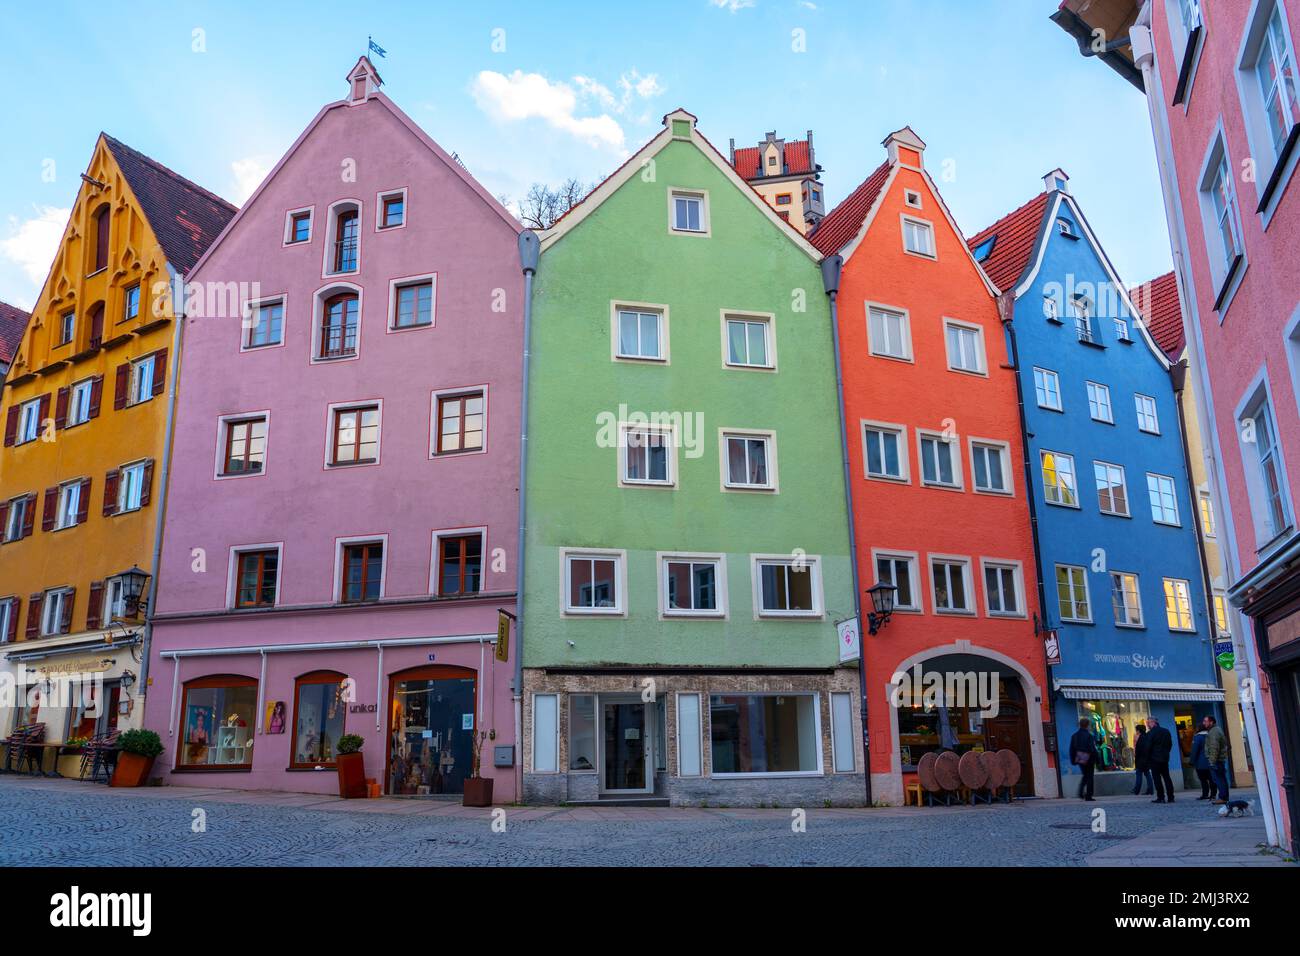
(832, 266)
(1006, 308)
(160, 517)
(529, 253)
(1243, 644)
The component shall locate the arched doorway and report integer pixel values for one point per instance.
(432, 719)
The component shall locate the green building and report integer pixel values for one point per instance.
(687, 549)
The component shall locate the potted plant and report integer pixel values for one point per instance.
(137, 751)
(478, 790)
(351, 766)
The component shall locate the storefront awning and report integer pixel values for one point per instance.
(1100, 690)
(105, 641)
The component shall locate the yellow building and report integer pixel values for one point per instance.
(1157, 300)
(786, 174)
(86, 409)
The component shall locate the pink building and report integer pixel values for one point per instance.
(1220, 81)
(343, 511)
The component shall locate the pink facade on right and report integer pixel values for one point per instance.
(1220, 81)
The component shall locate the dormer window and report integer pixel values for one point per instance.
(1066, 228)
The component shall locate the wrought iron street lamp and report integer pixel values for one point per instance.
(133, 589)
(882, 603)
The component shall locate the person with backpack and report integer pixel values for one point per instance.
(1083, 754)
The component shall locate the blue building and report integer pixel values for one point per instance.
(1117, 534)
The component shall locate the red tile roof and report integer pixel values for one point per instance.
(844, 221)
(13, 322)
(1157, 303)
(797, 159)
(185, 217)
(1014, 236)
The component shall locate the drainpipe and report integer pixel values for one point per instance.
(160, 516)
(1243, 644)
(832, 266)
(1006, 308)
(529, 253)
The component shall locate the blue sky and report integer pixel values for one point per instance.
(528, 92)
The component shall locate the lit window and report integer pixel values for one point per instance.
(1221, 619)
(219, 717)
(1178, 605)
(1207, 514)
(319, 715)
(1125, 599)
(1072, 593)
(1059, 484)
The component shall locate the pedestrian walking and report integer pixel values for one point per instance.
(1162, 745)
(1083, 754)
(1142, 762)
(1216, 755)
(1202, 765)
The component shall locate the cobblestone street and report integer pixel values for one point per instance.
(65, 823)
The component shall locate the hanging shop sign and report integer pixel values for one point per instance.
(1052, 646)
(850, 640)
(1224, 655)
(503, 635)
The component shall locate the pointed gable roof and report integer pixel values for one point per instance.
(184, 217)
(1014, 237)
(844, 221)
(13, 322)
(1157, 303)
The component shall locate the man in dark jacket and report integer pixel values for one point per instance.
(1162, 745)
(1142, 762)
(1216, 755)
(1083, 754)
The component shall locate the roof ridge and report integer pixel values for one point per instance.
(169, 171)
(981, 235)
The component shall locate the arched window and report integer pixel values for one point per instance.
(96, 318)
(318, 719)
(346, 231)
(339, 317)
(217, 723)
(101, 238)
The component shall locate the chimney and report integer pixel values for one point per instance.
(364, 81)
(1057, 182)
(905, 148)
(731, 156)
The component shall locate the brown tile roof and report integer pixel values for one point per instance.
(185, 217)
(13, 322)
(846, 219)
(1157, 303)
(1014, 236)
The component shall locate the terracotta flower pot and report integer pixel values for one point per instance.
(132, 770)
(352, 776)
(478, 792)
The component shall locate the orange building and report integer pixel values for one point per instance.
(938, 483)
(86, 410)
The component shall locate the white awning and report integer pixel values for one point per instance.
(1104, 690)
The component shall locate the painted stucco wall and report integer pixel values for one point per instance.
(623, 252)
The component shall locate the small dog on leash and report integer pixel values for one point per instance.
(1237, 808)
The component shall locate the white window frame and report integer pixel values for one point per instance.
(1074, 474)
(331, 229)
(140, 386)
(1209, 527)
(1217, 167)
(768, 436)
(1151, 412)
(8, 611)
(813, 566)
(683, 192)
(1137, 593)
(767, 320)
(232, 569)
(1123, 483)
(1004, 451)
(394, 289)
(1017, 570)
(385, 194)
(912, 198)
(912, 559)
(719, 562)
(1099, 401)
(1048, 376)
(84, 387)
(1255, 41)
(66, 512)
(968, 584)
(52, 607)
(874, 347)
(926, 229)
(619, 557)
(124, 487)
(288, 226)
(953, 444)
(1051, 308)
(1082, 312)
(14, 518)
(1187, 595)
(29, 422)
(669, 436)
(981, 354)
(1258, 401)
(1173, 493)
(318, 314)
(1087, 596)
(904, 451)
(642, 308)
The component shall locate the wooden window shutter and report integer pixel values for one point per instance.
(14, 608)
(34, 615)
(146, 483)
(50, 510)
(110, 491)
(29, 515)
(96, 396)
(101, 238)
(96, 325)
(61, 408)
(159, 371)
(11, 425)
(122, 385)
(4, 518)
(95, 605)
(83, 501)
(65, 618)
(44, 413)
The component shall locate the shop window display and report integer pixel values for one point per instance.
(319, 711)
(774, 733)
(431, 734)
(923, 730)
(582, 732)
(1114, 728)
(218, 722)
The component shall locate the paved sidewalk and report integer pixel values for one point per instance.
(1238, 841)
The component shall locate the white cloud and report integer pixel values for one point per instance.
(249, 173)
(731, 6)
(523, 96)
(32, 243)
